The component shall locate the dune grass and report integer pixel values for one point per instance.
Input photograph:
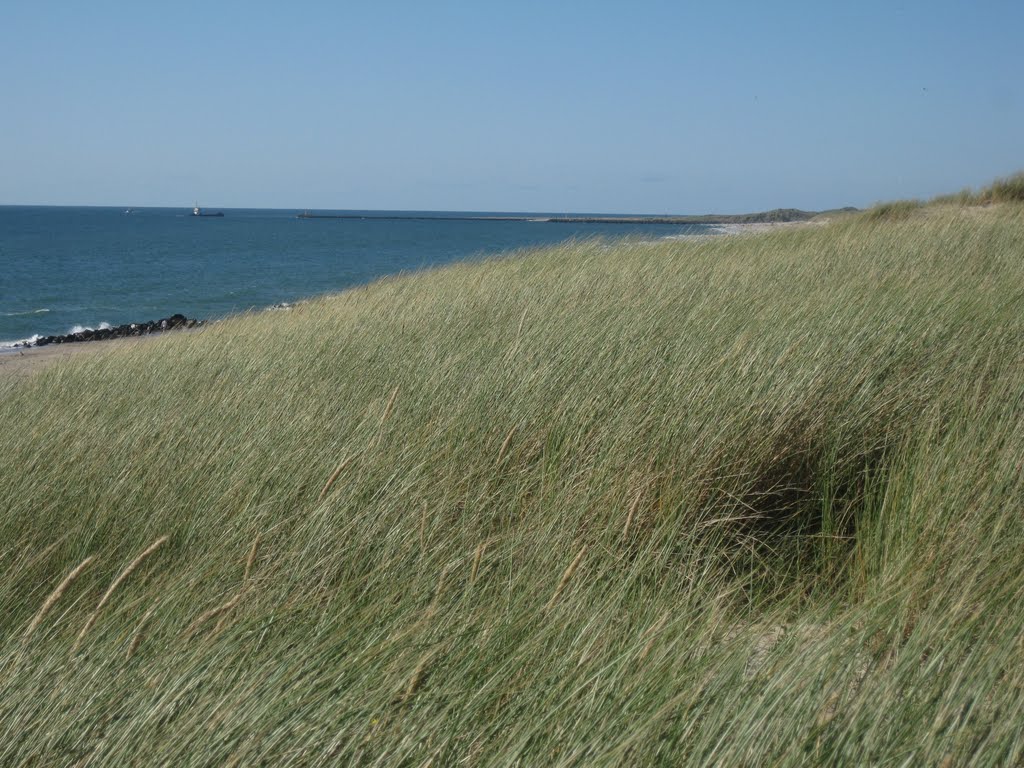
(1006, 190)
(895, 210)
(1009, 189)
(737, 501)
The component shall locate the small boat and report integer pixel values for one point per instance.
(129, 211)
(197, 211)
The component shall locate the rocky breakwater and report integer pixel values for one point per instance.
(172, 323)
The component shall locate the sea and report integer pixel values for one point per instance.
(66, 269)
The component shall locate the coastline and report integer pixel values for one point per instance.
(21, 362)
(774, 216)
(294, 261)
(747, 228)
(18, 362)
(736, 229)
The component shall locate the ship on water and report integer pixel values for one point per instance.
(197, 211)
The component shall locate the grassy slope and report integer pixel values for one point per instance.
(743, 500)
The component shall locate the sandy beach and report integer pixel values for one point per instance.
(26, 362)
(744, 228)
(751, 228)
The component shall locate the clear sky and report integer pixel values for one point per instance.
(645, 107)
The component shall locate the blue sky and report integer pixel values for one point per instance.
(646, 107)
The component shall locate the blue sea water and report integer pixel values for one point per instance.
(63, 269)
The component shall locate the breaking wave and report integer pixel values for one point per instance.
(84, 328)
(20, 342)
(27, 312)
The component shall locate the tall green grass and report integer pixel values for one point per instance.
(737, 501)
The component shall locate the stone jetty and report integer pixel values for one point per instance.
(172, 323)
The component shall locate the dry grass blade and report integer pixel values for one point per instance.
(438, 590)
(507, 442)
(113, 588)
(41, 556)
(388, 408)
(476, 561)
(251, 559)
(213, 613)
(223, 611)
(563, 582)
(334, 476)
(652, 634)
(137, 637)
(632, 512)
(514, 347)
(226, 612)
(418, 675)
(384, 417)
(55, 596)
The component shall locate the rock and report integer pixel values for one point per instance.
(171, 323)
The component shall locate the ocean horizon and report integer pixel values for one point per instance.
(65, 269)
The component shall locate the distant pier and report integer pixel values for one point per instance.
(777, 215)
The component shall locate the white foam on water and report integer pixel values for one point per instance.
(20, 342)
(83, 328)
(31, 340)
(27, 312)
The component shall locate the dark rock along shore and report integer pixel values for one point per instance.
(172, 323)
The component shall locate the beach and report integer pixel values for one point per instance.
(19, 363)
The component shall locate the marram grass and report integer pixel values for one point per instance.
(734, 501)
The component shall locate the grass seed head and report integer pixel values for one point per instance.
(55, 596)
(113, 588)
